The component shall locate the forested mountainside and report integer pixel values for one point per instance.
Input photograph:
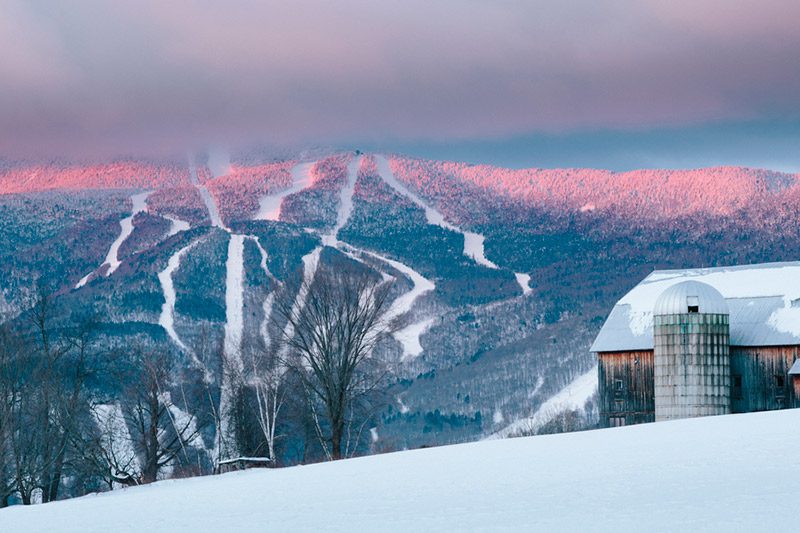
(502, 277)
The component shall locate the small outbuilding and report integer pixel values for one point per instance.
(243, 463)
(699, 342)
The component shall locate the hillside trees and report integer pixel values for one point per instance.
(333, 323)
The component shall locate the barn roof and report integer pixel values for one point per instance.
(795, 370)
(764, 304)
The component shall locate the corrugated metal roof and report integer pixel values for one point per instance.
(759, 297)
(679, 297)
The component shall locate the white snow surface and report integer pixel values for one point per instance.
(473, 242)
(139, 202)
(208, 200)
(176, 225)
(524, 281)
(749, 281)
(345, 202)
(409, 337)
(725, 473)
(126, 228)
(234, 301)
(573, 396)
(167, 318)
(269, 206)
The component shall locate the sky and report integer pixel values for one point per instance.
(614, 84)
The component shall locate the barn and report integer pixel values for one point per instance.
(699, 342)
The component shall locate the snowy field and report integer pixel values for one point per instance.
(730, 473)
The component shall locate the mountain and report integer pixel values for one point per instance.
(718, 473)
(503, 277)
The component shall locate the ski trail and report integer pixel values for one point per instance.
(176, 225)
(139, 202)
(233, 365)
(269, 206)
(473, 242)
(409, 337)
(234, 302)
(524, 281)
(167, 318)
(573, 396)
(116, 437)
(268, 301)
(345, 202)
(208, 200)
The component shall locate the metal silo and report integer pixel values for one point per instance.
(692, 352)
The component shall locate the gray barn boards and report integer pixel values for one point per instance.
(686, 343)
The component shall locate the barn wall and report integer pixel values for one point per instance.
(625, 388)
(765, 383)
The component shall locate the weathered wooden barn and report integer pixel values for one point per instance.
(686, 343)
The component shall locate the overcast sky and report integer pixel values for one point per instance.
(612, 83)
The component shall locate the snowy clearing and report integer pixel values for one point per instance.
(345, 202)
(139, 202)
(167, 318)
(269, 206)
(176, 225)
(573, 396)
(208, 200)
(410, 335)
(735, 472)
(473, 242)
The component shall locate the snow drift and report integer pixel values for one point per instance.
(725, 473)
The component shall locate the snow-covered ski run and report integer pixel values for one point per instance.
(112, 261)
(176, 225)
(473, 242)
(167, 318)
(208, 200)
(269, 206)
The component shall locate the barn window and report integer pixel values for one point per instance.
(780, 382)
(694, 308)
(693, 303)
(618, 384)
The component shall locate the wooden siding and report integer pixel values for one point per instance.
(765, 383)
(626, 387)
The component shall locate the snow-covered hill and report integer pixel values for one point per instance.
(729, 473)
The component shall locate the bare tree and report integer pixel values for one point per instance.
(332, 325)
(160, 430)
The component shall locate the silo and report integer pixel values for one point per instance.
(692, 352)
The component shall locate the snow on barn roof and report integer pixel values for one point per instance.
(795, 370)
(764, 304)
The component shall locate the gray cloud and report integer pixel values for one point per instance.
(149, 76)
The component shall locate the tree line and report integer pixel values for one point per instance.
(80, 414)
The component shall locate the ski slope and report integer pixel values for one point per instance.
(727, 473)
(269, 205)
(473, 242)
(167, 317)
(573, 396)
(139, 202)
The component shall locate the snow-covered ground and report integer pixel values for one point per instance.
(208, 200)
(573, 396)
(167, 318)
(139, 202)
(726, 473)
(269, 206)
(473, 242)
(176, 225)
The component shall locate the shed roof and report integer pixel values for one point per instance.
(795, 370)
(763, 299)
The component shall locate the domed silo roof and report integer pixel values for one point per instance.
(690, 297)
